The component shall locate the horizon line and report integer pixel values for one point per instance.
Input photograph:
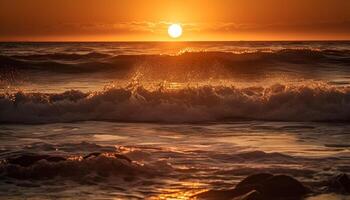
(160, 41)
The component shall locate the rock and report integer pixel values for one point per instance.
(340, 184)
(254, 180)
(262, 186)
(282, 186)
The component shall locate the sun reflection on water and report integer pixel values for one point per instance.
(192, 189)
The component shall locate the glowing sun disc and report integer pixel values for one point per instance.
(175, 30)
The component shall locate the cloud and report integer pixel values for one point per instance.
(323, 27)
(144, 29)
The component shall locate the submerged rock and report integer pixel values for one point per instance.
(30, 159)
(37, 166)
(262, 186)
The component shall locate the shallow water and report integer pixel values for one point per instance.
(181, 159)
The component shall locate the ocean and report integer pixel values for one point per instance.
(169, 120)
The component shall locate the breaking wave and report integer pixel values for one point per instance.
(188, 104)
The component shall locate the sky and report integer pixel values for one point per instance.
(147, 20)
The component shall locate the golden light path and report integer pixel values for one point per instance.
(178, 194)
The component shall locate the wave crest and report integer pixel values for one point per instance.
(189, 104)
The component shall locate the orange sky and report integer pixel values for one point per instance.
(144, 20)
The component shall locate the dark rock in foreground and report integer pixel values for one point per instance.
(282, 186)
(261, 187)
(340, 184)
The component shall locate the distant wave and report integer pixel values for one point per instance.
(192, 104)
(95, 62)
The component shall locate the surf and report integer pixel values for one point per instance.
(305, 103)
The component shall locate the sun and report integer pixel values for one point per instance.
(175, 30)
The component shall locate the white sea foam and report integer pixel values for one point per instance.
(189, 104)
